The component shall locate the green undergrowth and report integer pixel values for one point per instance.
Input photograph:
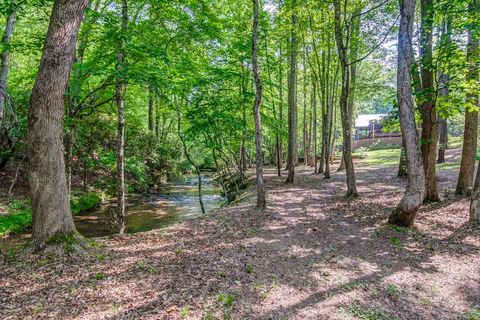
(18, 218)
(19, 213)
(83, 202)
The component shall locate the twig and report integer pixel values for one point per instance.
(16, 176)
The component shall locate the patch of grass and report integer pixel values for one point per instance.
(474, 314)
(141, 264)
(208, 315)
(363, 313)
(455, 142)
(449, 165)
(226, 299)
(101, 257)
(392, 290)
(179, 250)
(396, 242)
(400, 229)
(99, 276)
(381, 158)
(84, 202)
(248, 268)
(19, 216)
(222, 274)
(184, 311)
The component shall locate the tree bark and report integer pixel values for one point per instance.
(314, 133)
(345, 114)
(5, 59)
(7, 144)
(470, 136)
(292, 99)
(150, 109)
(428, 102)
(52, 216)
(261, 202)
(280, 91)
(444, 79)
(475, 204)
(406, 211)
(305, 149)
(120, 91)
(402, 165)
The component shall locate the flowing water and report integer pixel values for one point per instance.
(171, 203)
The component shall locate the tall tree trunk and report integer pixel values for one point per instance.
(292, 99)
(314, 133)
(275, 117)
(404, 214)
(444, 79)
(5, 58)
(470, 135)
(261, 202)
(150, 108)
(120, 91)
(280, 91)
(305, 150)
(6, 142)
(345, 114)
(475, 204)
(52, 216)
(355, 32)
(428, 102)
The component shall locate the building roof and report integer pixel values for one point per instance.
(364, 120)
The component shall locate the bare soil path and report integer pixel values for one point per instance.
(311, 255)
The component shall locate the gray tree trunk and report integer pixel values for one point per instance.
(292, 99)
(428, 102)
(120, 91)
(261, 202)
(52, 216)
(5, 59)
(151, 110)
(344, 106)
(470, 136)
(406, 211)
(7, 119)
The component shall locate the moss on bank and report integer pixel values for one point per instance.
(19, 216)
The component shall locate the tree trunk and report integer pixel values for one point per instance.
(280, 89)
(5, 59)
(444, 79)
(345, 114)
(470, 135)
(404, 214)
(292, 100)
(305, 150)
(150, 109)
(402, 165)
(314, 133)
(52, 217)
(428, 102)
(475, 204)
(6, 142)
(120, 91)
(261, 202)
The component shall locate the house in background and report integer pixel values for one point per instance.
(369, 130)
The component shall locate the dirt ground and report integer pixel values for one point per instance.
(311, 255)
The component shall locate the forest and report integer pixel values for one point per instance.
(219, 159)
